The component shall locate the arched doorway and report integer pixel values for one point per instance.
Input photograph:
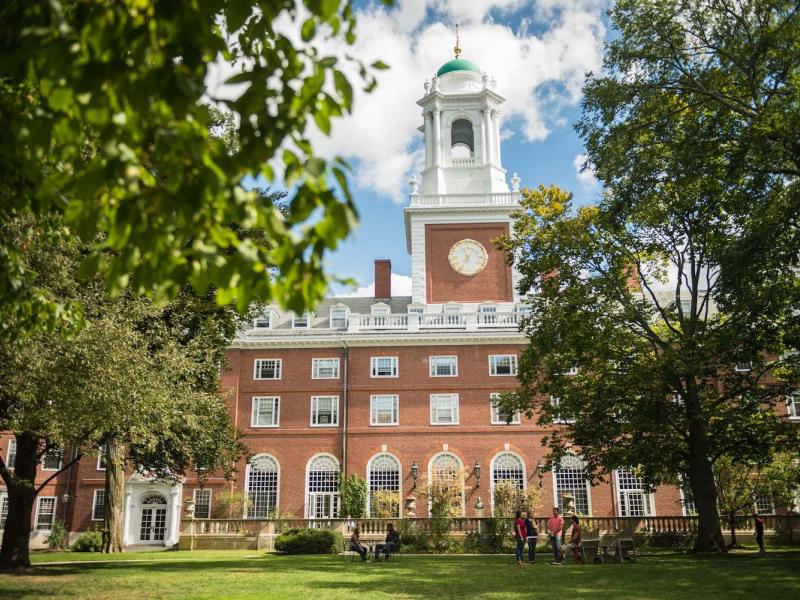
(153, 519)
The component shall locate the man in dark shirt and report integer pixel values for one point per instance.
(760, 533)
(390, 544)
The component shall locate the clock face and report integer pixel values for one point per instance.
(468, 257)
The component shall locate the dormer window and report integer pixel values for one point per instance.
(743, 366)
(380, 309)
(339, 317)
(264, 320)
(416, 309)
(302, 321)
(488, 308)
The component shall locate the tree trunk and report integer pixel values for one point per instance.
(732, 523)
(14, 553)
(704, 490)
(113, 511)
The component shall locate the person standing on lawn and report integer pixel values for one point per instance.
(760, 533)
(574, 543)
(555, 527)
(520, 535)
(533, 537)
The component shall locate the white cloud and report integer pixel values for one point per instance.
(401, 286)
(585, 177)
(539, 68)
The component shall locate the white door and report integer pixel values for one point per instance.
(153, 521)
(323, 505)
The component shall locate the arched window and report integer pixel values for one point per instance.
(384, 486)
(507, 466)
(462, 139)
(634, 499)
(570, 477)
(262, 487)
(323, 487)
(447, 467)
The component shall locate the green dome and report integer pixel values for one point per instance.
(458, 64)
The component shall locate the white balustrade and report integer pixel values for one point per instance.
(501, 199)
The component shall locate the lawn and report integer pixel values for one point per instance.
(248, 574)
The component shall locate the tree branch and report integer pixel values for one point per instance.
(57, 473)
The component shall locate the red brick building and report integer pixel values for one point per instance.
(397, 389)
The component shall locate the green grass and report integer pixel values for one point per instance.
(249, 574)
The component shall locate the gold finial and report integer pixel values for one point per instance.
(457, 49)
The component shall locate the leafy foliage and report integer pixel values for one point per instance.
(230, 504)
(89, 541)
(105, 125)
(384, 504)
(59, 536)
(309, 541)
(353, 496)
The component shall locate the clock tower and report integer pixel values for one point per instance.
(462, 203)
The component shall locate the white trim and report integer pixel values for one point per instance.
(11, 440)
(94, 502)
(372, 367)
(618, 499)
(276, 412)
(457, 409)
(101, 451)
(400, 480)
(513, 367)
(278, 486)
(36, 516)
(518, 414)
(491, 475)
(586, 483)
(308, 321)
(339, 307)
(336, 405)
(315, 368)
(3, 496)
(279, 362)
(210, 497)
(396, 397)
(455, 365)
(379, 339)
(463, 478)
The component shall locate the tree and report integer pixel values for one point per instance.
(105, 125)
(626, 295)
(740, 485)
(352, 496)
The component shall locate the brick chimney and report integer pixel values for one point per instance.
(383, 279)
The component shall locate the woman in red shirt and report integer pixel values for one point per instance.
(520, 534)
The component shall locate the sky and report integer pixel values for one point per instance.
(538, 51)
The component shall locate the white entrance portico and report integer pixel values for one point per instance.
(152, 511)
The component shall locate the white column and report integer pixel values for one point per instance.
(175, 516)
(437, 136)
(484, 153)
(127, 534)
(428, 139)
(496, 137)
(487, 133)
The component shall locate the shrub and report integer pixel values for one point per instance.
(353, 496)
(384, 504)
(309, 541)
(57, 540)
(231, 505)
(90, 541)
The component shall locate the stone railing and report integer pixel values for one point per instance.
(468, 161)
(454, 200)
(411, 322)
(260, 534)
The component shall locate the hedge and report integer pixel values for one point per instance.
(309, 541)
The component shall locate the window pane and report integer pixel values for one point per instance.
(202, 504)
(3, 511)
(384, 410)
(12, 453)
(51, 461)
(268, 368)
(325, 410)
(99, 505)
(45, 514)
(265, 411)
(262, 487)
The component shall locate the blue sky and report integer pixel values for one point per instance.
(538, 51)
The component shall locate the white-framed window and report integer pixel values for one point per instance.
(3, 510)
(263, 476)
(764, 504)
(263, 321)
(302, 321)
(416, 309)
(444, 409)
(101, 458)
(502, 419)
(687, 500)
(384, 409)
(507, 466)
(522, 309)
(487, 308)
(502, 364)
(632, 497)
(555, 402)
(447, 466)
(11, 456)
(384, 366)
(443, 366)
(51, 461)
(322, 487)
(380, 310)
(98, 505)
(572, 371)
(571, 477)
(267, 368)
(324, 411)
(743, 366)
(793, 406)
(202, 503)
(324, 368)
(45, 513)
(339, 317)
(383, 473)
(266, 411)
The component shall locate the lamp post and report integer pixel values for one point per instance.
(477, 470)
(540, 472)
(414, 474)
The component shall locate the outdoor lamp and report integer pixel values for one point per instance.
(415, 472)
(540, 472)
(477, 468)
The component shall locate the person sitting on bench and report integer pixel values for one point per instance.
(574, 543)
(357, 546)
(390, 544)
